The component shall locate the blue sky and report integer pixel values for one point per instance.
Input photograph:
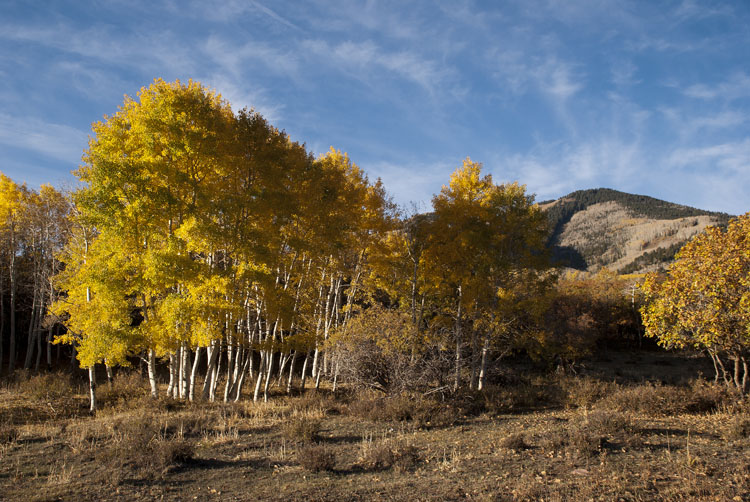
(645, 97)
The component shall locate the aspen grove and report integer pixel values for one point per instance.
(217, 251)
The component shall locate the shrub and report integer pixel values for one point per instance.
(300, 429)
(126, 387)
(515, 442)
(585, 392)
(382, 455)
(419, 410)
(48, 386)
(659, 400)
(738, 428)
(587, 435)
(316, 458)
(8, 433)
(168, 453)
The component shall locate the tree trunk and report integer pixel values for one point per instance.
(30, 340)
(291, 373)
(187, 371)
(259, 378)
(151, 364)
(92, 389)
(483, 367)
(216, 372)
(172, 374)
(241, 378)
(304, 371)
(230, 367)
(737, 373)
(38, 330)
(193, 374)
(269, 376)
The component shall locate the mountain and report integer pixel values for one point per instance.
(627, 233)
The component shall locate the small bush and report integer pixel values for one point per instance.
(126, 387)
(515, 442)
(8, 433)
(738, 428)
(48, 386)
(525, 395)
(585, 392)
(383, 455)
(660, 400)
(168, 453)
(586, 436)
(419, 410)
(300, 430)
(316, 458)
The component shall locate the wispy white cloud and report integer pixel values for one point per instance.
(737, 86)
(732, 157)
(362, 60)
(57, 141)
(243, 95)
(412, 182)
(555, 169)
(233, 57)
(624, 74)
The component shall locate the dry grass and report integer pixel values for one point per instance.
(576, 438)
(317, 458)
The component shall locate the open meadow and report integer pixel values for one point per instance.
(629, 427)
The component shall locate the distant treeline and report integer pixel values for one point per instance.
(661, 256)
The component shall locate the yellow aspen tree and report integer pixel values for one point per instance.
(704, 300)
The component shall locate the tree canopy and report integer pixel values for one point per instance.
(704, 300)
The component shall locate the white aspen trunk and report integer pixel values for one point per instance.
(172, 371)
(283, 360)
(241, 379)
(215, 373)
(304, 371)
(151, 364)
(317, 378)
(193, 374)
(291, 372)
(210, 365)
(180, 364)
(483, 367)
(230, 367)
(239, 370)
(92, 389)
(316, 353)
(259, 379)
(269, 375)
(327, 320)
(187, 370)
(109, 374)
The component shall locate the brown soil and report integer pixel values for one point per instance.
(582, 447)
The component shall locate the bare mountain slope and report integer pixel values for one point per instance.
(623, 232)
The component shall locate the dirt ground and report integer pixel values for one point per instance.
(584, 439)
